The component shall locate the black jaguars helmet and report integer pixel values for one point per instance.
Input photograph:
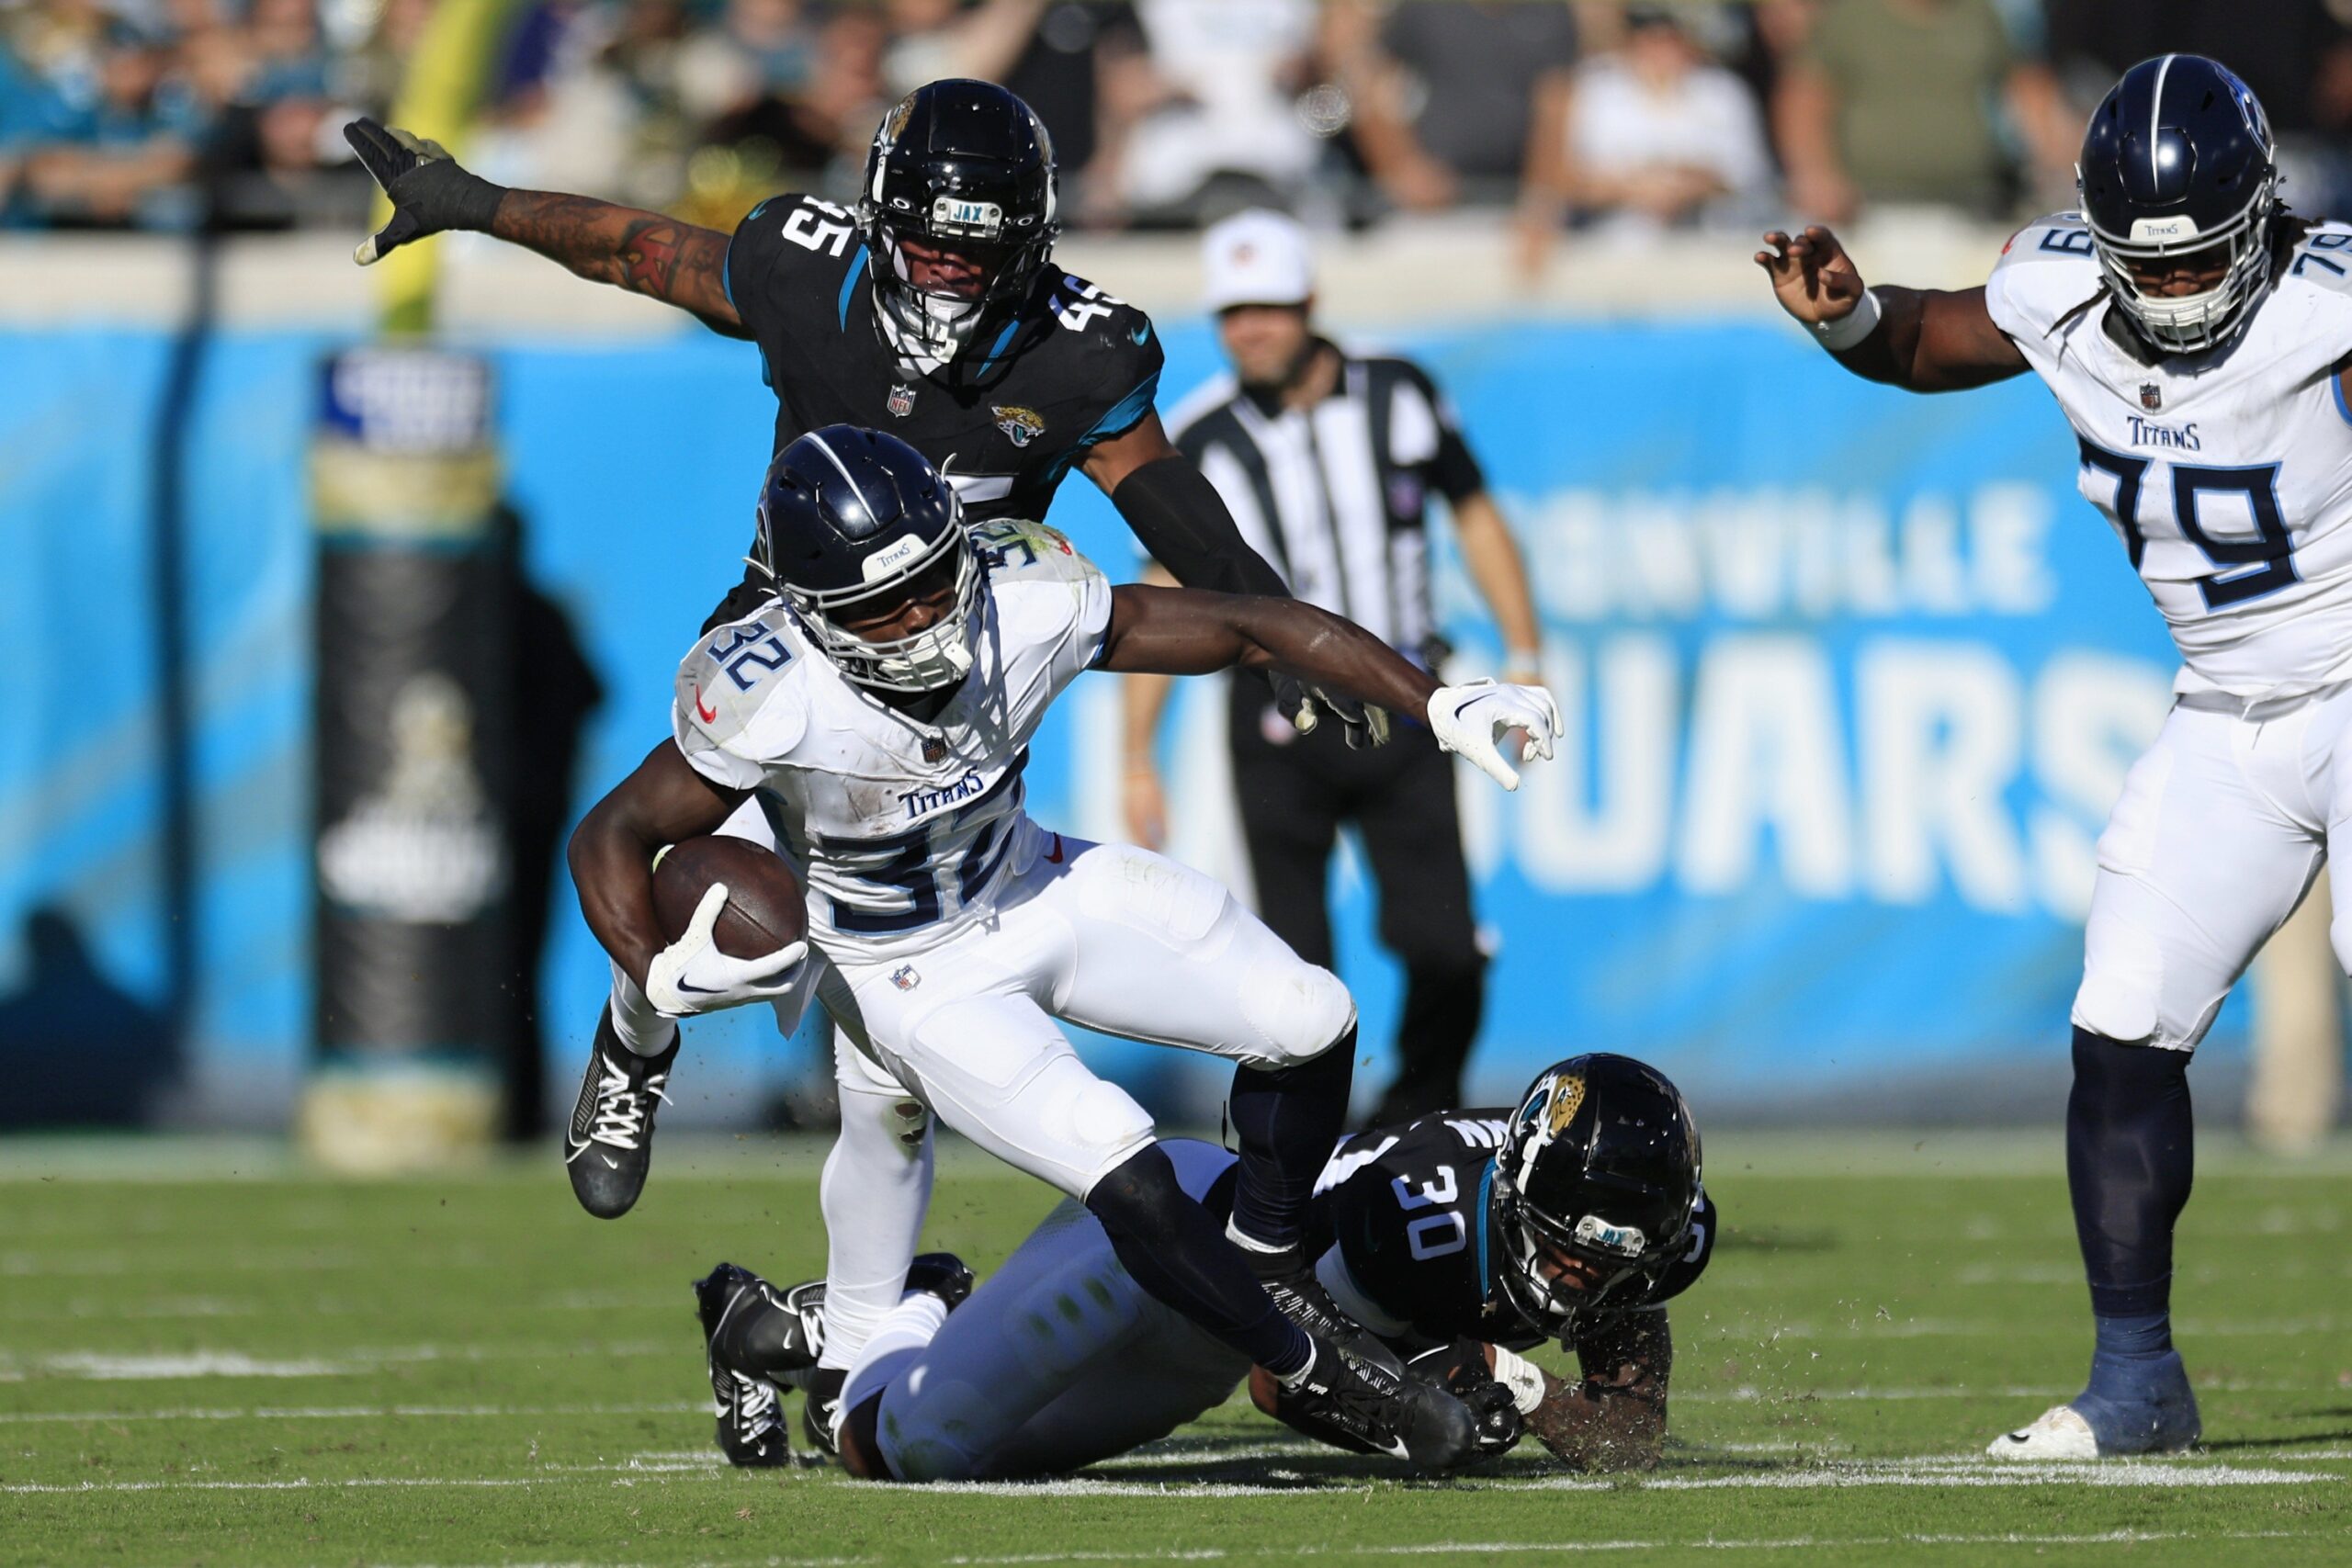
(1601, 1164)
(2178, 161)
(853, 522)
(967, 167)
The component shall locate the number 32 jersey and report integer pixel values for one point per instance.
(2227, 474)
(903, 830)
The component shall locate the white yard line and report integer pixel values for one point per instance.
(354, 1412)
(358, 1361)
(1484, 1549)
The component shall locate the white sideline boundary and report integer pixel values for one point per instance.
(1943, 1471)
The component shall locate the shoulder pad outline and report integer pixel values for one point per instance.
(726, 681)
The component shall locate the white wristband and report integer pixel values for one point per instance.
(1516, 659)
(1850, 328)
(1521, 1376)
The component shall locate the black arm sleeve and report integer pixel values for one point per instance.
(1177, 516)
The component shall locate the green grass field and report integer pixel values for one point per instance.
(206, 1356)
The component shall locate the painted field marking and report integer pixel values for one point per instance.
(1486, 1549)
(356, 1412)
(360, 1362)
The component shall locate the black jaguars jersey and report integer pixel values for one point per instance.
(1407, 1206)
(1007, 420)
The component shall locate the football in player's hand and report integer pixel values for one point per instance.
(765, 910)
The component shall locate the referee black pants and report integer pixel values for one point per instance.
(1295, 791)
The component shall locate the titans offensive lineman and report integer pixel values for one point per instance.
(1461, 1238)
(933, 309)
(881, 710)
(2197, 338)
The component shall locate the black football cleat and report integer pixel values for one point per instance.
(609, 1146)
(1299, 1296)
(941, 1274)
(1392, 1413)
(755, 1338)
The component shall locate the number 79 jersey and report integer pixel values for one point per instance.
(903, 830)
(2226, 474)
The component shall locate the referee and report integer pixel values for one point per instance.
(1327, 460)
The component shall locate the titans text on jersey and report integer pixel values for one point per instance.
(902, 828)
(2227, 473)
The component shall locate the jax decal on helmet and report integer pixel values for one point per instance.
(967, 168)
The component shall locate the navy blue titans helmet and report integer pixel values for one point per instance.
(853, 522)
(965, 166)
(1600, 1163)
(2180, 160)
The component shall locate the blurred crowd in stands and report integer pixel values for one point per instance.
(1623, 120)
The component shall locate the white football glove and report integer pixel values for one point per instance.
(1471, 717)
(692, 975)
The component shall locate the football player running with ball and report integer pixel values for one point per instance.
(2198, 338)
(934, 308)
(1461, 1238)
(882, 709)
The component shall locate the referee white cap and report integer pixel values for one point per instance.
(1258, 257)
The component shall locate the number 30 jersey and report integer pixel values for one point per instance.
(2227, 474)
(903, 830)
(1400, 1219)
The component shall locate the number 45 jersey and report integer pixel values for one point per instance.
(2227, 474)
(903, 830)
(1005, 423)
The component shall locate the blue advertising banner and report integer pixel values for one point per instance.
(1851, 678)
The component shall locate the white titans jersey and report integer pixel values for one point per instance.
(903, 830)
(2228, 474)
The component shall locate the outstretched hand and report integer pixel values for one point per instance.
(1472, 719)
(429, 190)
(1812, 276)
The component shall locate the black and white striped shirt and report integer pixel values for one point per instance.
(1334, 496)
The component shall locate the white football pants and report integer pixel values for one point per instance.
(2221, 827)
(1057, 1360)
(1108, 936)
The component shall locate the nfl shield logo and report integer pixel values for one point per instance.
(2151, 395)
(902, 401)
(934, 747)
(905, 977)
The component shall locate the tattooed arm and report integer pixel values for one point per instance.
(678, 264)
(645, 253)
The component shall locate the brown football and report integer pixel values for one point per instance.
(765, 907)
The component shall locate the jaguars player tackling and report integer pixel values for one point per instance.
(2198, 339)
(1463, 1239)
(881, 709)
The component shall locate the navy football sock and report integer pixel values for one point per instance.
(2130, 1158)
(1287, 1121)
(1172, 1247)
(2142, 1337)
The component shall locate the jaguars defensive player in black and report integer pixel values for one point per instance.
(932, 311)
(1467, 1236)
(1461, 1239)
